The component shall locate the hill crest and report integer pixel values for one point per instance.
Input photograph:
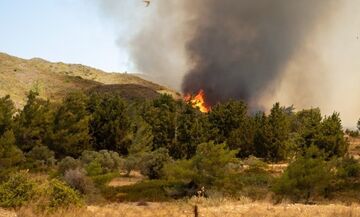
(55, 79)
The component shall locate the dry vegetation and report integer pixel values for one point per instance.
(208, 208)
(211, 207)
(354, 148)
(55, 80)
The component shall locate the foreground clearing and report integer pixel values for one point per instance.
(226, 210)
(208, 208)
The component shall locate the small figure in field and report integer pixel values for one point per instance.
(201, 192)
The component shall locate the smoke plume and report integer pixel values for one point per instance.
(241, 47)
(301, 52)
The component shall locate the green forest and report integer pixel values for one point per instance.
(61, 154)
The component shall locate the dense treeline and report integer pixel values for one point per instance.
(99, 122)
(98, 134)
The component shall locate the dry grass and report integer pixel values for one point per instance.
(354, 148)
(5, 213)
(207, 208)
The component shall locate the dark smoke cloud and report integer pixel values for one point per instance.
(241, 47)
(301, 52)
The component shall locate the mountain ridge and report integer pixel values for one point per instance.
(54, 80)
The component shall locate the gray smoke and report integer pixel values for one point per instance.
(241, 47)
(301, 52)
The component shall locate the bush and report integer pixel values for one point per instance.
(108, 161)
(40, 157)
(348, 168)
(68, 163)
(352, 133)
(307, 177)
(255, 183)
(94, 168)
(154, 162)
(61, 195)
(17, 190)
(209, 166)
(101, 180)
(255, 163)
(78, 180)
(131, 163)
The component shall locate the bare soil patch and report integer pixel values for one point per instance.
(134, 178)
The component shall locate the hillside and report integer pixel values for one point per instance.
(54, 80)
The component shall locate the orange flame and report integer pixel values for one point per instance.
(198, 101)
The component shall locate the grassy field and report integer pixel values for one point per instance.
(206, 208)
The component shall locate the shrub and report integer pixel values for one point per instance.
(348, 168)
(352, 133)
(94, 168)
(40, 157)
(17, 190)
(306, 177)
(78, 180)
(131, 163)
(154, 162)
(209, 166)
(109, 161)
(68, 163)
(101, 180)
(214, 166)
(61, 195)
(255, 163)
(254, 183)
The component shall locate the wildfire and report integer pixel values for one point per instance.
(198, 101)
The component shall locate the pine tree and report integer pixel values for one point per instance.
(110, 124)
(242, 138)
(10, 154)
(273, 134)
(280, 126)
(142, 141)
(307, 124)
(309, 175)
(142, 145)
(7, 110)
(226, 117)
(331, 136)
(263, 135)
(33, 123)
(191, 130)
(160, 114)
(70, 135)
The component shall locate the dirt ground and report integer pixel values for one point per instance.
(133, 178)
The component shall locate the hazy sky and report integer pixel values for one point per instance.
(71, 31)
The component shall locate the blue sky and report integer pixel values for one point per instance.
(61, 30)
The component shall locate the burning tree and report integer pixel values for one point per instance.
(198, 101)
